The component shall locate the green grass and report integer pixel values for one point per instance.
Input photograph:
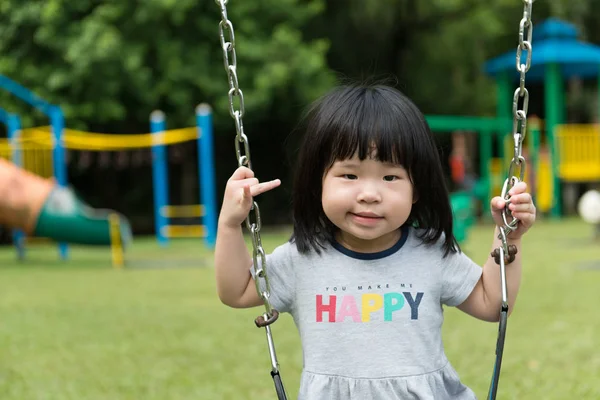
(156, 331)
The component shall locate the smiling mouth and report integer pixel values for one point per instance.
(367, 216)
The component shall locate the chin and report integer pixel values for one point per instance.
(367, 236)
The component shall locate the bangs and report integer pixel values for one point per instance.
(373, 124)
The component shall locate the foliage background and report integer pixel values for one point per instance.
(110, 63)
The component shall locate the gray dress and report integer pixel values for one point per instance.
(371, 324)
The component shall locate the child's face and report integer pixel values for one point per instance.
(368, 201)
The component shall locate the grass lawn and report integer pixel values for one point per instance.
(156, 330)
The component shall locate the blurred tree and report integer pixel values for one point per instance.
(400, 38)
(435, 49)
(112, 63)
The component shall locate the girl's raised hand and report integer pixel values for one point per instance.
(239, 193)
(521, 206)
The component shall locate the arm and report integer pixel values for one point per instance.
(235, 285)
(485, 300)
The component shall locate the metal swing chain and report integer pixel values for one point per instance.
(242, 149)
(505, 254)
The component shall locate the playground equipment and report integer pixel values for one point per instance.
(478, 184)
(578, 152)
(576, 148)
(34, 205)
(475, 185)
(573, 150)
(55, 115)
(163, 212)
(39, 207)
(158, 141)
(64, 217)
(464, 216)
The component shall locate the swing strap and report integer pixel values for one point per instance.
(253, 221)
(505, 254)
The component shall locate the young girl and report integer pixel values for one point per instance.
(372, 259)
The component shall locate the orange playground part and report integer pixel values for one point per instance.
(22, 196)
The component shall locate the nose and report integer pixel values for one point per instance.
(369, 193)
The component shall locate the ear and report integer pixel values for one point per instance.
(415, 196)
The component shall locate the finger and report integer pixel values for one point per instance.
(522, 198)
(248, 181)
(521, 208)
(264, 187)
(520, 187)
(527, 219)
(242, 173)
(247, 193)
(498, 203)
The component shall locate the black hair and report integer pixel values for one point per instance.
(354, 118)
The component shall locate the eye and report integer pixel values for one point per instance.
(350, 176)
(390, 178)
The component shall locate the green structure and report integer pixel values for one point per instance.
(65, 217)
(557, 57)
(487, 130)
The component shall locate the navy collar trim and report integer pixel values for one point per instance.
(377, 255)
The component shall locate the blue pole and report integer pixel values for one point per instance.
(14, 128)
(160, 174)
(206, 171)
(59, 165)
(25, 94)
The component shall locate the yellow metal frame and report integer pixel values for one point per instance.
(578, 148)
(184, 231)
(116, 242)
(186, 211)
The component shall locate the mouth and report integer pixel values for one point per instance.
(368, 215)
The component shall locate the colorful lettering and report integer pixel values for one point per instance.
(361, 308)
(329, 308)
(392, 302)
(371, 302)
(414, 304)
(348, 308)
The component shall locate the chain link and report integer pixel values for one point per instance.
(253, 220)
(520, 107)
(505, 254)
(242, 150)
(235, 94)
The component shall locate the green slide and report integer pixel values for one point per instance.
(65, 218)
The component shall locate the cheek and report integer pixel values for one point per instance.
(337, 192)
(404, 197)
(334, 198)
